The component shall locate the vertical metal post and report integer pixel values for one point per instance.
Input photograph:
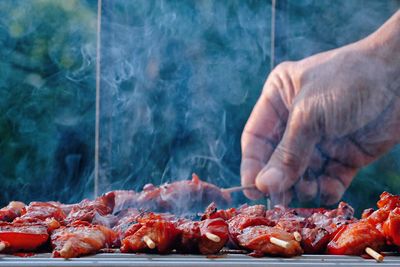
(97, 123)
(272, 54)
(280, 31)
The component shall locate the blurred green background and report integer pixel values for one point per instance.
(47, 96)
(179, 79)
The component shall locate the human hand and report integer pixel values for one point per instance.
(321, 119)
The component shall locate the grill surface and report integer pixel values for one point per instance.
(117, 259)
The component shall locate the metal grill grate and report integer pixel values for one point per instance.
(118, 259)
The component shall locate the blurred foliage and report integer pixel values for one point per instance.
(46, 95)
(179, 79)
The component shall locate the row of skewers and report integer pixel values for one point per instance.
(115, 221)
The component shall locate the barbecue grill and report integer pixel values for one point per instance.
(118, 259)
(279, 51)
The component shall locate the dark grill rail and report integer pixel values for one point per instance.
(117, 259)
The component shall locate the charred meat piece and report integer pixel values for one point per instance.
(344, 210)
(314, 240)
(132, 219)
(307, 212)
(292, 223)
(11, 211)
(189, 238)
(391, 227)
(123, 199)
(81, 238)
(127, 223)
(87, 210)
(275, 214)
(353, 239)
(255, 210)
(241, 221)
(153, 234)
(366, 213)
(388, 201)
(260, 239)
(22, 236)
(193, 193)
(40, 211)
(331, 220)
(212, 212)
(207, 236)
(213, 235)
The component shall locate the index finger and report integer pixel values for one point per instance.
(261, 134)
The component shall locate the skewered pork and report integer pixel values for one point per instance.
(11, 211)
(81, 238)
(262, 240)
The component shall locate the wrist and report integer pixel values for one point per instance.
(383, 47)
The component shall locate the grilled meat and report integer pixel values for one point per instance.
(353, 239)
(40, 211)
(81, 238)
(258, 239)
(11, 211)
(151, 234)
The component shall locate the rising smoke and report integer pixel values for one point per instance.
(178, 81)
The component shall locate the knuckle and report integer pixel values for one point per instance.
(284, 66)
(274, 77)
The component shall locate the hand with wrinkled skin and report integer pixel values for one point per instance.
(321, 119)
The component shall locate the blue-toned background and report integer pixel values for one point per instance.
(178, 81)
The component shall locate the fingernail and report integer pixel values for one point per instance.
(270, 180)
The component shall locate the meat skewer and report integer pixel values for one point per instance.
(151, 231)
(213, 237)
(195, 193)
(40, 211)
(89, 210)
(81, 238)
(378, 257)
(238, 188)
(2, 246)
(280, 231)
(355, 238)
(269, 240)
(279, 242)
(150, 243)
(297, 236)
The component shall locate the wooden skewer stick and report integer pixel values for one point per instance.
(2, 246)
(213, 237)
(238, 188)
(377, 256)
(150, 243)
(279, 242)
(297, 236)
(64, 252)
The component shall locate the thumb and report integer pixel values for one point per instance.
(291, 157)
